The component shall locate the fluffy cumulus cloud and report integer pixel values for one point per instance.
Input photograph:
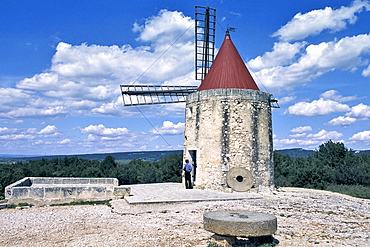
(307, 140)
(101, 130)
(316, 59)
(287, 99)
(169, 128)
(325, 135)
(318, 107)
(50, 130)
(335, 96)
(107, 139)
(301, 129)
(342, 121)
(359, 111)
(361, 136)
(84, 79)
(282, 54)
(316, 21)
(165, 28)
(294, 142)
(34, 134)
(291, 63)
(366, 72)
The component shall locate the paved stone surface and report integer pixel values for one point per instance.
(174, 192)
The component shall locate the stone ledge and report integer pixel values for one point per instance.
(46, 191)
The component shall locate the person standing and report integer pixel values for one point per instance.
(187, 169)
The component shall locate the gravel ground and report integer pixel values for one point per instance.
(305, 218)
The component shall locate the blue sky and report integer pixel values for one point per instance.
(61, 64)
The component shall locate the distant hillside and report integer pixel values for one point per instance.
(125, 157)
(122, 157)
(296, 152)
(362, 152)
(300, 152)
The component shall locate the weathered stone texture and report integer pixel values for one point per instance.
(44, 191)
(229, 128)
(240, 223)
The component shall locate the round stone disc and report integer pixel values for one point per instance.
(240, 223)
(239, 179)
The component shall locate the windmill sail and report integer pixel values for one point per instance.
(150, 95)
(205, 33)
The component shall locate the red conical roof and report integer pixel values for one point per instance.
(228, 70)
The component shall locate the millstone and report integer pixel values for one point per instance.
(240, 223)
(239, 179)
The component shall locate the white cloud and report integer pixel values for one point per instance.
(315, 21)
(361, 136)
(317, 108)
(65, 141)
(345, 54)
(14, 122)
(359, 111)
(301, 129)
(85, 79)
(114, 108)
(299, 142)
(50, 129)
(286, 100)
(13, 137)
(299, 135)
(282, 54)
(165, 28)
(325, 135)
(334, 95)
(342, 121)
(366, 72)
(5, 130)
(169, 128)
(101, 130)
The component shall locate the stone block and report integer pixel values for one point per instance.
(240, 223)
(98, 192)
(83, 192)
(39, 180)
(70, 192)
(68, 181)
(20, 192)
(53, 192)
(121, 191)
(36, 192)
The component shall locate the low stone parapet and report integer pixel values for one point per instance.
(45, 191)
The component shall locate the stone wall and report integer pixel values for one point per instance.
(45, 191)
(228, 128)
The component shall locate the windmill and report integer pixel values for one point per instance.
(228, 123)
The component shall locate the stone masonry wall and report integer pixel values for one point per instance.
(229, 128)
(47, 190)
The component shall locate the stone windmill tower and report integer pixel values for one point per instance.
(228, 126)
